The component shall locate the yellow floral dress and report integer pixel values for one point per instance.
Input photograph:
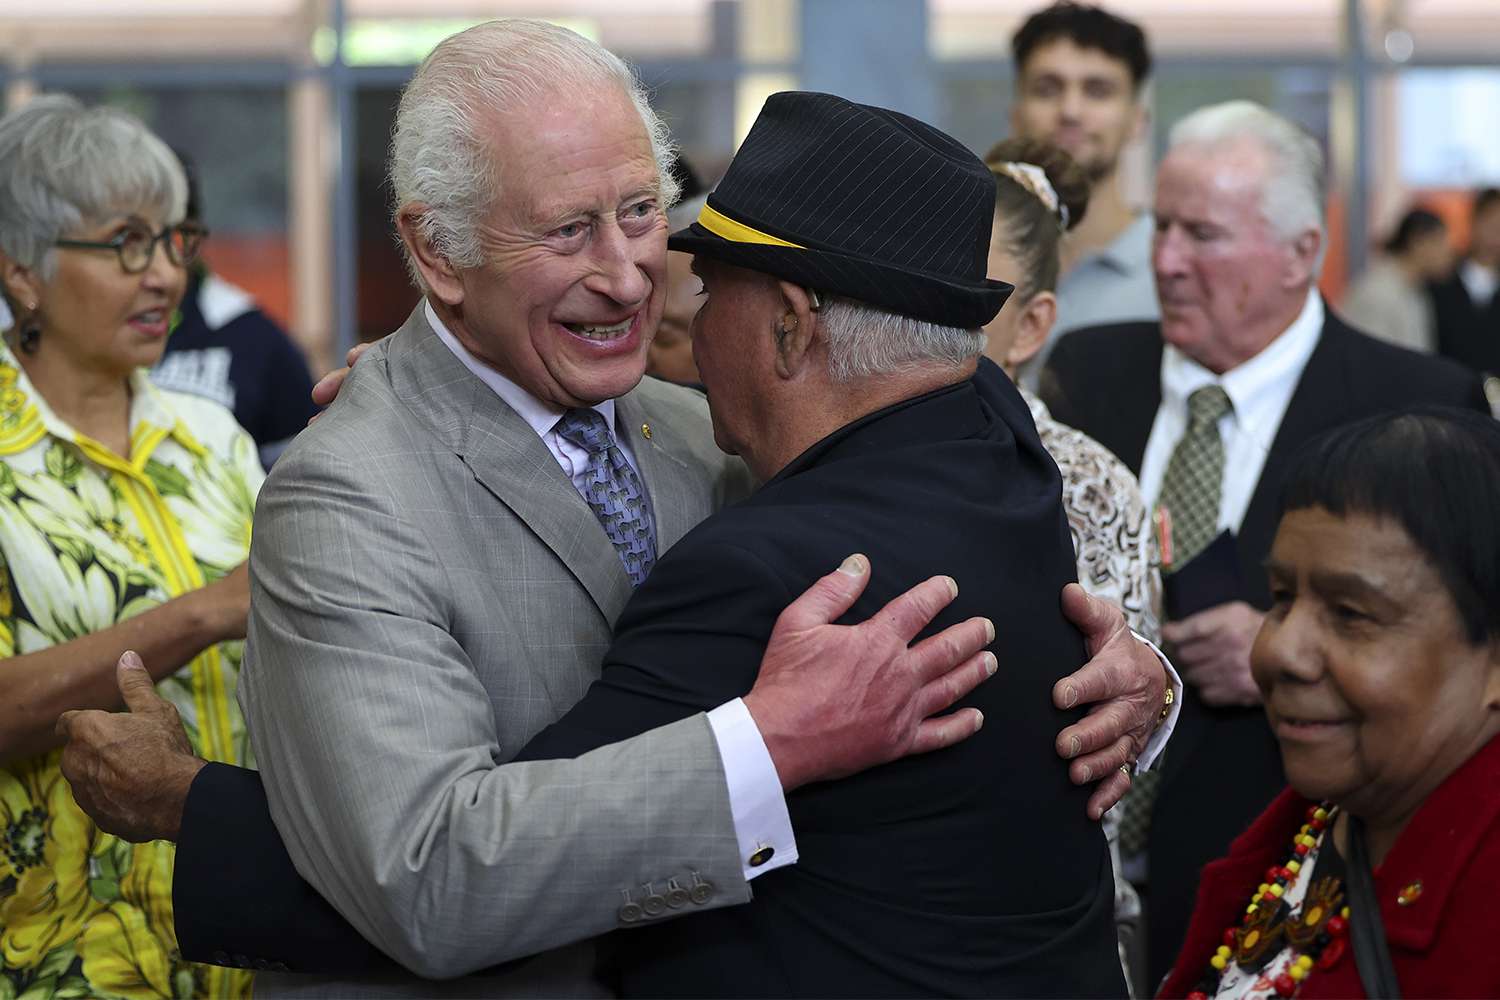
(88, 539)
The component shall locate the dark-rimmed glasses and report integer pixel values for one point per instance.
(135, 245)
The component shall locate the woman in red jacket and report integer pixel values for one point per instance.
(1380, 668)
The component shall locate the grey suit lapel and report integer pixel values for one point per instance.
(665, 464)
(508, 458)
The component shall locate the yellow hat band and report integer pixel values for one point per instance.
(738, 232)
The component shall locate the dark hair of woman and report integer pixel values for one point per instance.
(1436, 472)
(1413, 226)
(1033, 230)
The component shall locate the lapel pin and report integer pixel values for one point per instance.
(1410, 894)
(646, 431)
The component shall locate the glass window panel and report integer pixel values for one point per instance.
(1446, 127)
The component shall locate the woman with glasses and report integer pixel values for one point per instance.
(124, 524)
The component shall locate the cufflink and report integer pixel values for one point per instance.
(761, 856)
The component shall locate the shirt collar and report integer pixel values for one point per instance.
(25, 416)
(540, 416)
(1257, 385)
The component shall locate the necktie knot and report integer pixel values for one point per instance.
(587, 429)
(1207, 405)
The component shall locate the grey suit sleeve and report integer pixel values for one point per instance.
(381, 760)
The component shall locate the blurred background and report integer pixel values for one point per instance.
(286, 105)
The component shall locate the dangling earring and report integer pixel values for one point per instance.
(29, 331)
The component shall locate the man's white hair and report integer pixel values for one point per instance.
(441, 152)
(1293, 192)
(865, 341)
(65, 167)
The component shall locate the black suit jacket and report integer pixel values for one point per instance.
(972, 871)
(1223, 766)
(1467, 332)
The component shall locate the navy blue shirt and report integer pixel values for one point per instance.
(224, 348)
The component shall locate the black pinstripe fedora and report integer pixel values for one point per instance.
(860, 202)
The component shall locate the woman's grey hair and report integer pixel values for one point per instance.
(866, 341)
(65, 167)
(1293, 193)
(441, 152)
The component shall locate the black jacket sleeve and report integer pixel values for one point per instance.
(690, 642)
(238, 900)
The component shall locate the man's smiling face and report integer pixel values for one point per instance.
(571, 289)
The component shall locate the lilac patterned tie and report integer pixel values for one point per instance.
(614, 492)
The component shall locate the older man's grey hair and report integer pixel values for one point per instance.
(1293, 193)
(441, 153)
(866, 341)
(65, 167)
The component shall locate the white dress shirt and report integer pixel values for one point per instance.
(1260, 390)
(1479, 281)
(756, 800)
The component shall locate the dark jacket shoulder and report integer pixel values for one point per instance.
(1106, 381)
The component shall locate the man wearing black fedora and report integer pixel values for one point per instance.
(843, 264)
(841, 366)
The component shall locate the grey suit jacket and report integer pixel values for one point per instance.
(428, 591)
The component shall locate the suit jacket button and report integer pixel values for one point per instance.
(220, 958)
(280, 967)
(241, 962)
(653, 905)
(702, 892)
(261, 964)
(630, 913)
(676, 894)
(761, 856)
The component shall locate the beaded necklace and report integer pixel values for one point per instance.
(1317, 932)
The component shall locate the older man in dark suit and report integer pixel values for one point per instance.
(1206, 407)
(838, 341)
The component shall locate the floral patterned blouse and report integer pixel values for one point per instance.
(88, 539)
(1117, 558)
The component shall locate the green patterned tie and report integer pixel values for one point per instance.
(1190, 493)
(1194, 482)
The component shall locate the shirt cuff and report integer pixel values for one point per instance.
(1158, 741)
(756, 801)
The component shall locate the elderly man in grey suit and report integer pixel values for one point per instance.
(432, 587)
